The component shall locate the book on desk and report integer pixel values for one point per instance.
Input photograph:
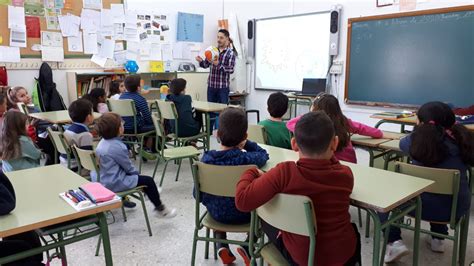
(88, 196)
(394, 114)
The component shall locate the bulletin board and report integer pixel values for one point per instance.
(74, 9)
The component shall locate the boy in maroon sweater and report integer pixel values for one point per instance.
(318, 175)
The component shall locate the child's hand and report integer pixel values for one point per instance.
(199, 59)
(215, 61)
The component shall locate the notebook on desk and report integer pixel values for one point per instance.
(311, 87)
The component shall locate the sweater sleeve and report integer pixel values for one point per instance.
(361, 129)
(292, 123)
(204, 63)
(254, 191)
(7, 195)
(255, 154)
(228, 64)
(29, 150)
(405, 144)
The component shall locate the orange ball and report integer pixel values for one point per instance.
(208, 55)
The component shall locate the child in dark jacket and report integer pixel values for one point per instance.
(188, 124)
(235, 150)
(20, 242)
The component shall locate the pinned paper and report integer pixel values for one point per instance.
(118, 13)
(18, 36)
(9, 54)
(94, 4)
(74, 44)
(34, 9)
(107, 49)
(33, 27)
(157, 66)
(106, 22)
(167, 52)
(16, 16)
(50, 38)
(90, 42)
(97, 59)
(69, 25)
(52, 54)
(51, 15)
(90, 20)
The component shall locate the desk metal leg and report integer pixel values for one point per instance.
(209, 133)
(377, 231)
(463, 239)
(104, 231)
(416, 241)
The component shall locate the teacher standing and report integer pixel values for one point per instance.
(221, 68)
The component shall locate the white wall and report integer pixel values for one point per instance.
(245, 10)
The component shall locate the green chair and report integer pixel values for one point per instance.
(88, 160)
(289, 213)
(61, 146)
(126, 108)
(170, 153)
(23, 108)
(446, 183)
(167, 110)
(257, 134)
(220, 181)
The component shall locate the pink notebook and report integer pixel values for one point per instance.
(97, 192)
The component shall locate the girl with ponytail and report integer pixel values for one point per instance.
(438, 142)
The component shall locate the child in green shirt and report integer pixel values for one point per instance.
(277, 133)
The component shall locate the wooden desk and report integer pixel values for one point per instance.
(375, 190)
(39, 205)
(239, 98)
(301, 100)
(57, 117)
(372, 145)
(408, 121)
(209, 107)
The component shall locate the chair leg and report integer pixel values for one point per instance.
(145, 213)
(124, 214)
(454, 260)
(215, 244)
(156, 167)
(179, 168)
(62, 250)
(359, 214)
(97, 249)
(163, 174)
(206, 249)
(367, 226)
(463, 239)
(193, 254)
(140, 155)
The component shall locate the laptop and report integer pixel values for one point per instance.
(311, 87)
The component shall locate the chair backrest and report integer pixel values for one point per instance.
(293, 214)
(167, 110)
(59, 141)
(87, 159)
(257, 134)
(446, 181)
(22, 107)
(124, 107)
(217, 179)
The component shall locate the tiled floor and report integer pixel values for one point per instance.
(171, 242)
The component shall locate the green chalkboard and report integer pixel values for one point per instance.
(408, 59)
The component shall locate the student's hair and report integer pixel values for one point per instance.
(11, 96)
(93, 97)
(177, 86)
(108, 125)
(437, 123)
(132, 83)
(14, 126)
(314, 132)
(227, 34)
(277, 104)
(232, 126)
(79, 110)
(3, 98)
(330, 105)
(114, 87)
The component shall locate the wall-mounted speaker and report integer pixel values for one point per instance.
(251, 38)
(334, 29)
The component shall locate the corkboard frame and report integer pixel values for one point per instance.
(27, 52)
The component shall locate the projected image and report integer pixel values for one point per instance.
(290, 49)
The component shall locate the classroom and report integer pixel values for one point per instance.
(235, 132)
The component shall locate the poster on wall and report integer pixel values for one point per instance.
(190, 27)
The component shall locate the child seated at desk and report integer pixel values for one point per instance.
(318, 175)
(37, 129)
(3, 108)
(20, 242)
(277, 133)
(116, 88)
(117, 171)
(189, 124)
(437, 141)
(17, 149)
(235, 150)
(97, 98)
(344, 126)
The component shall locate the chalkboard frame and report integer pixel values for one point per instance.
(388, 16)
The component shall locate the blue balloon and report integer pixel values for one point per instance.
(131, 66)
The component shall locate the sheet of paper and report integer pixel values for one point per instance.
(17, 2)
(119, 46)
(167, 52)
(52, 54)
(34, 9)
(90, 42)
(107, 49)
(94, 4)
(145, 50)
(51, 16)
(133, 48)
(120, 57)
(155, 52)
(118, 13)
(90, 20)
(131, 34)
(18, 36)
(69, 25)
(131, 19)
(9, 54)
(106, 22)
(156, 66)
(74, 44)
(16, 16)
(97, 59)
(58, 4)
(50, 38)
(33, 29)
(118, 31)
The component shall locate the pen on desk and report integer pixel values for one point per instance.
(72, 193)
(70, 197)
(86, 195)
